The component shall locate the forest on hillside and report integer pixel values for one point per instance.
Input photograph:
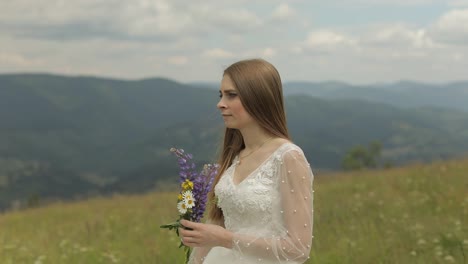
(68, 137)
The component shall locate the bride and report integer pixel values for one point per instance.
(262, 202)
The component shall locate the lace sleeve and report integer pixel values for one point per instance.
(198, 255)
(295, 219)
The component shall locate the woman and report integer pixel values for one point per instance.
(263, 192)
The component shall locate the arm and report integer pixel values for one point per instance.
(296, 201)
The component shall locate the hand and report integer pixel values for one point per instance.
(204, 235)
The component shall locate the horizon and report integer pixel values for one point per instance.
(69, 75)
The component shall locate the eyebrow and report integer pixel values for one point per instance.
(228, 90)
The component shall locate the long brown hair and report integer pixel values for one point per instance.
(260, 90)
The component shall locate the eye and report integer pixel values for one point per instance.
(230, 95)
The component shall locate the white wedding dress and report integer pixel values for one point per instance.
(270, 212)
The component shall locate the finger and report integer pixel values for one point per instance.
(188, 224)
(189, 241)
(188, 233)
(182, 232)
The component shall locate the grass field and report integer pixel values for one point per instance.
(417, 214)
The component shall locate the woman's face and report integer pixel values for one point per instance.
(233, 112)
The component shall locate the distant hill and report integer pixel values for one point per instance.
(402, 94)
(406, 94)
(70, 136)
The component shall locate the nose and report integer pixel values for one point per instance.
(221, 104)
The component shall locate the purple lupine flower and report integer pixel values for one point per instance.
(187, 171)
(202, 181)
(202, 186)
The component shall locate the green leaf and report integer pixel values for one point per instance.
(171, 225)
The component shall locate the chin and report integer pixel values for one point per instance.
(227, 125)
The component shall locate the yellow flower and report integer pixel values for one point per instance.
(187, 185)
(180, 197)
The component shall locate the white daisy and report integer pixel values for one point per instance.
(182, 207)
(188, 195)
(188, 199)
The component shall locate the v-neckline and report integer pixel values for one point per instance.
(256, 169)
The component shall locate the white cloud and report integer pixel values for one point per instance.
(283, 12)
(16, 60)
(177, 60)
(217, 54)
(296, 49)
(399, 35)
(269, 52)
(452, 27)
(393, 2)
(153, 18)
(226, 20)
(85, 19)
(325, 41)
(194, 40)
(458, 3)
(138, 20)
(378, 52)
(326, 38)
(49, 12)
(265, 53)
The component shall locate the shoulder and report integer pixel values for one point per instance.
(289, 152)
(293, 159)
(288, 148)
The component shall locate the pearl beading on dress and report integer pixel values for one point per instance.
(251, 207)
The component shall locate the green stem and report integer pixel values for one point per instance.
(187, 254)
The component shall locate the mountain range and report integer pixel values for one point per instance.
(67, 137)
(407, 94)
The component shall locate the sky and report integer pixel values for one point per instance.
(354, 41)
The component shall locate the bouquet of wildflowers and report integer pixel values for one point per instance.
(195, 186)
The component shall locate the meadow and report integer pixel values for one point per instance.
(417, 214)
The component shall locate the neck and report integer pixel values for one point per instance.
(254, 137)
